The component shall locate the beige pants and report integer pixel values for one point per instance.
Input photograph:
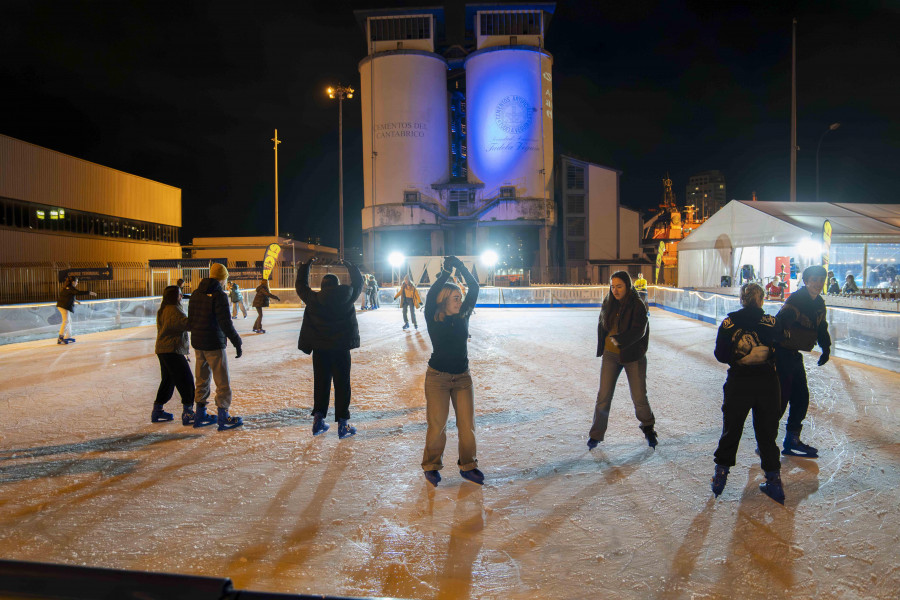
(215, 363)
(65, 328)
(441, 390)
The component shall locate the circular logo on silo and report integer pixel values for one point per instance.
(513, 114)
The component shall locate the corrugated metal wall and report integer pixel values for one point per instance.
(36, 174)
(28, 246)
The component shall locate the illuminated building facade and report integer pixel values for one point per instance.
(58, 208)
(458, 141)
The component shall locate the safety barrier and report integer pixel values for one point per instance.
(864, 335)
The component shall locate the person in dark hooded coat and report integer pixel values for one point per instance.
(329, 331)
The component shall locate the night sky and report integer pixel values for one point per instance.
(189, 94)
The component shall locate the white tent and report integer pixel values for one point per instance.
(755, 233)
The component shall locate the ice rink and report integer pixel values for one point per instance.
(86, 479)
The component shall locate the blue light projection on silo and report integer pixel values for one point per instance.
(504, 115)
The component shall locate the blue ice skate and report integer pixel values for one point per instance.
(474, 475)
(201, 418)
(345, 429)
(159, 415)
(227, 421)
(772, 487)
(319, 425)
(650, 434)
(433, 477)
(718, 480)
(794, 447)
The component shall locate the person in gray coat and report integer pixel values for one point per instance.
(172, 348)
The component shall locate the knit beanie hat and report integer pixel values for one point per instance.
(217, 271)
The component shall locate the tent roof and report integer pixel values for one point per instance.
(742, 223)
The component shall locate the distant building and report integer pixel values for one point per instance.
(458, 141)
(706, 192)
(600, 236)
(58, 208)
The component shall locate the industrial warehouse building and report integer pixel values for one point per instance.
(55, 207)
(458, 146)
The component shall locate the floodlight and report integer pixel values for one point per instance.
(489, 258)
(396, 259)
(809, 248)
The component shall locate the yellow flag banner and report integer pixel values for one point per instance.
(659, 257)
(269, 260)
(826, 244)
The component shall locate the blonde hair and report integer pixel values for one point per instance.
(442, 298)
(752, 294)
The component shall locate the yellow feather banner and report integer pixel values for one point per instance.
(269, 260)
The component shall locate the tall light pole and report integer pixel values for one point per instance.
(794, 111)
(277, 141)
(340, 92)
(831, 127)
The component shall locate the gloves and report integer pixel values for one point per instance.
(451, 262)
(238, 352)
(826, 354)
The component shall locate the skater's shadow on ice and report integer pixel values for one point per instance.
(300, 417)
(111, 444)
(685, 560)
(107, 467)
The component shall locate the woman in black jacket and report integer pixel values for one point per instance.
(623, 334)
(66, 305)
(171, 349)
(329, 331)
(261, 301)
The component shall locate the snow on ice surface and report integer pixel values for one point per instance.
(86, 479)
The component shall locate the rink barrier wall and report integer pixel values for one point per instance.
(22, 579)
(861, 334)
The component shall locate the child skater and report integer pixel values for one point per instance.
(447, 379)
(171, 349)
(746, 342)
(66, 305)
(329, 331)
(261, 301)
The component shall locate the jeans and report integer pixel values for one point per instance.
(258, 324)
(328, 365)
(65, 328)
(759, 392)
(442, 389)
(794, 389)
(409, 303)
(175, 373)
(636, 371)
(213, 362)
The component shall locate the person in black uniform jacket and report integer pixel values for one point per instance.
(447, 379)
(746, 342)
(329, 331)
(66, 305)
(261, 301)
(803, 316)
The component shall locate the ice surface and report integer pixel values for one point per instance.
(86, 479)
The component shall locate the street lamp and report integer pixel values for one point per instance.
(340, 92)
(396, 260)
(831, 127)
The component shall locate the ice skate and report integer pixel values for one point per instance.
(61, 340)
(201, 418)
(592, 443)
(159, 415)
(319, 425)
(650, 434)
(718, 480)
(227, 421)
(345, 429)
(187, 416)
(433, 477)
(475, 476)
(794, 447)
(406, 326)
(772, 488)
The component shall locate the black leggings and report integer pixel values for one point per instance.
(176, 373)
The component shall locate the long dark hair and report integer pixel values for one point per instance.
(611, 306)
(170, 296)
(70, 280)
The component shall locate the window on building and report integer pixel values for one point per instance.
(575, 177)
(400, 28)
(575, 204)
(510, 23)
(575, 250)
(575, 227)
(410, 196)
(507, 191)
